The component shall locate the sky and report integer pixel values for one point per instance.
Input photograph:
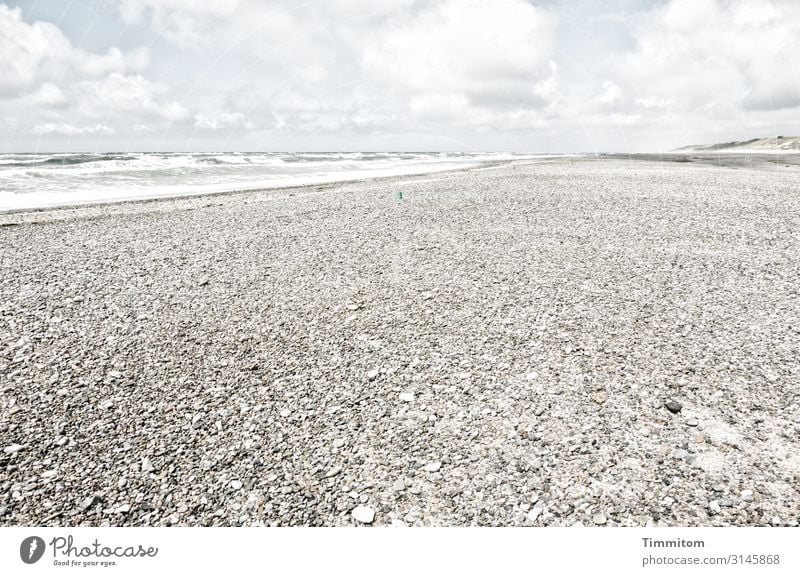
(451, 75)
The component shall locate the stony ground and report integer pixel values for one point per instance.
(604, 342)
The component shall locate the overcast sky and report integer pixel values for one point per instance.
(549, 76)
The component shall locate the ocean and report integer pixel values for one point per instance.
(43, 180)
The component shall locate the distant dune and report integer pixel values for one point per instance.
(777, 144)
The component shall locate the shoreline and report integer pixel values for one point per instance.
(212, 193)
(13, 217)
(756, 161)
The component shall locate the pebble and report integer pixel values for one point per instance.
(363, 514)
(471, 357)
(674, 406)
(599, 519)
(406, 396)
(776, 520)
(534, 514)
(124, 509)
(147, 466)
(89, 501)
(333, 472)
(692, 422)
(285, 413)
(236, 484)
(372, 375)
(433, 466)
(714, 507)
(13, 449)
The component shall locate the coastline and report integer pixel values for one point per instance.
(759, 160)
(291, 188)
(277, 184)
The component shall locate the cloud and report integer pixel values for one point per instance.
(39, 52)
(226, 120)
(466, 58)
(58, 89)
(121, 94)
(409, 73)
(354, 65)
(183, 22)
(726, 55)
(47, 94)
(70, 129)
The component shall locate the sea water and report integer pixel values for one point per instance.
(43, 180)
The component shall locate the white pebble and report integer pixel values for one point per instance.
(599, 519)
(363, 514)
(433, 466)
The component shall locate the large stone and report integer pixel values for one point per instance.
(363, 514)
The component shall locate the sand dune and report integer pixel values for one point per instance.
(766, 145)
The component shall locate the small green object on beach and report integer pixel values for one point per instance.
(399, 196)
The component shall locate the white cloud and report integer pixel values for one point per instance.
(60, 89)
(48, 94)
(226, 120)
(413, 73)
(184, 22)
(70, 129)
(611, 93)
(119, 93)
(466, 58)
(39, 52)
(725, 55)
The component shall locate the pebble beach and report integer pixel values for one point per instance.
(577, 341)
